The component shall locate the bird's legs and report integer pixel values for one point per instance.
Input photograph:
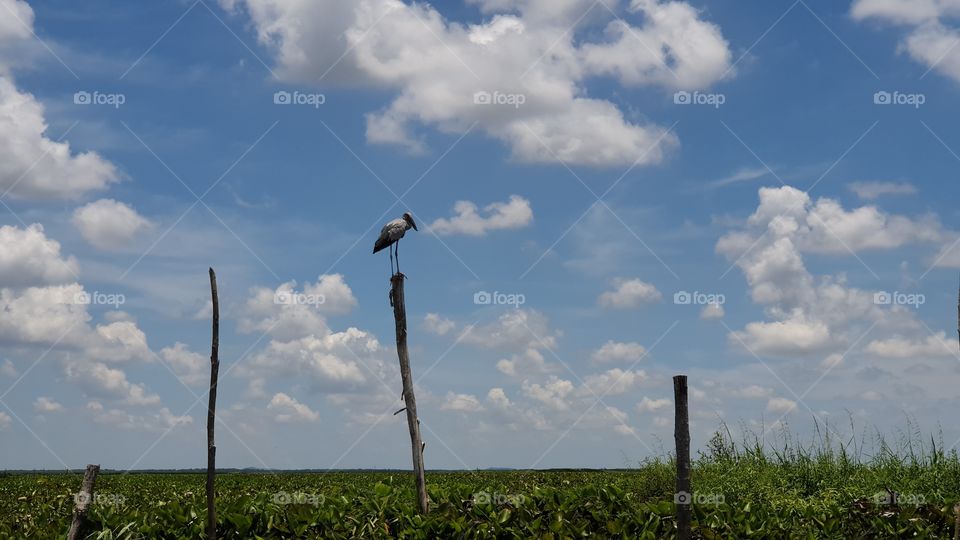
(396, 247)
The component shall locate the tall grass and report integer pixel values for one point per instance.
(861, 465)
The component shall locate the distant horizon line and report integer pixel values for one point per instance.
(274, 471)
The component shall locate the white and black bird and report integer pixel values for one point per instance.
(390, 235)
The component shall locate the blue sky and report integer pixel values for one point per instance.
(596, 200)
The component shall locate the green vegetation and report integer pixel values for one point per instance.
(827, 491)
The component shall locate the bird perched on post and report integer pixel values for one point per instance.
(390, 235)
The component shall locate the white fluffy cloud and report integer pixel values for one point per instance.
(611, 382)
(160, 421)
(781, 405)
(513, 214)
(934, 346)
(302, 345)
(189, 366)
(46, 405)
(326, 363)
(712, 311)
(108, 224)
(652, 405)
(461, 403)
(613, 351)
(826, 227)
(930, 39)
(288, 313)
(435, 324)
(28, 257)
(807, 315)
(288, 410)
(530, 49)
(629, 293)
(101, 381)
(552, 393)
(515, 330)
(32, 166)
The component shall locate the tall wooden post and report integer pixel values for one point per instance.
(211, 413)
(683, 497)
(413, 422)
(82, 503)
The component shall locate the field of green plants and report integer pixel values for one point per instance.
(793, 492)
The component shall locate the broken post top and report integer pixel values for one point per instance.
(399, 276)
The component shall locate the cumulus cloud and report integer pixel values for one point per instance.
(611, 382)
(936, 346)
(514, 330)
(302, 344)
(46, 405)
(826, 227)
(435, 324)
(189, 366)
(330, 363)
(809, 315)
(513, 214)
(629, 293)
(288, 410)
(529, 362)
(101, 381)
(28, 257)
(288, 313)
(438, 67)
(712, 311)
(160, 421)
(652, 405)
(498, 398)
(5, 420)
(108, 224)
(781, 405)
(929, 38)
(461, 403)
(552, 393)
(613, 351)
(32, 166)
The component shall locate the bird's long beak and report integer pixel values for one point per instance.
(413, 224)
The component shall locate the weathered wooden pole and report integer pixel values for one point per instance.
(211, 413)
(956, 521)
(413, 422)
(83, 501)
(683, 497)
